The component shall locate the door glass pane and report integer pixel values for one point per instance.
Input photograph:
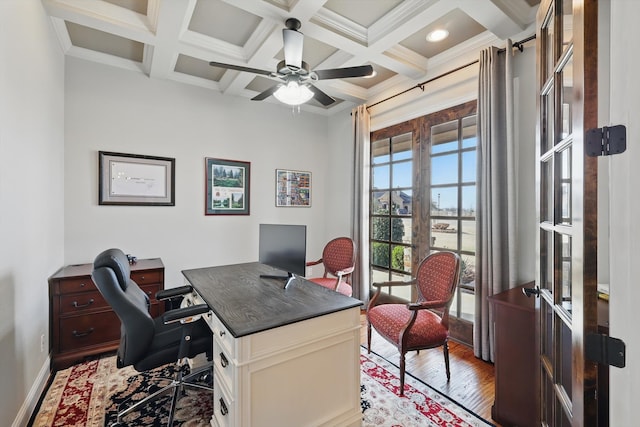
(469, 132)
(547, 43)
(469, 164)
(444, 201)
(469, 200)
(401, 146)
(548, 399)
(548, 132)
(444, 234)
(403, 202)
(468, 235)
(564, 164)
(401, 291)
(401, 175)
(565, 375)
(547, 320)
(380, 228)
(380, 177)
(567, 23)
(380, 254)
(567, 98)
(546, 260)
(546, 191)
(380, 151)
(444, 169)
(444, 137)
(468, 270)
(401, 230)
(566, 272)
(401, 258)
(380, 202)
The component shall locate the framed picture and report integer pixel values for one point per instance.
(227, 187)
(293, 188)
(135, 180)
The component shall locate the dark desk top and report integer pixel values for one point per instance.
(246, 303)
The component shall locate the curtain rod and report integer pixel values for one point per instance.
(517, 45)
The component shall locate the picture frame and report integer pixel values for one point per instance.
(135, 179)
(227, 188)
(293, 188)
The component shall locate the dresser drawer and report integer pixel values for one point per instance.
(79, 302)
(151, 290)
(79, 284)
(146, 277)
(88, 330)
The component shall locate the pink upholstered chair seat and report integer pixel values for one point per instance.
(391, 318)
(330, 283)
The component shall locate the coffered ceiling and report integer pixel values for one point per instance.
(176, 39)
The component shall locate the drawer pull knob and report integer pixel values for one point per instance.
(82, 285)
(223, 360)
(81, 334)
(76, 305)
(222, 333)
(223, 408)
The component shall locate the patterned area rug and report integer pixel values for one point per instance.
(89, 394)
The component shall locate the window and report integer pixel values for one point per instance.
(423, 199)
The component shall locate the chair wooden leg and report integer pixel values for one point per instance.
(368, 337)
(445, 350)
(402, 366)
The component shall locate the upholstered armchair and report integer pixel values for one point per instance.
(424, 323)
(339, 258)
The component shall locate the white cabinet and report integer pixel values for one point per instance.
(301, 374)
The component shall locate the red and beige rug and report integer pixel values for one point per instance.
(88, 394)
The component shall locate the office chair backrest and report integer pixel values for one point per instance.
(111, 273)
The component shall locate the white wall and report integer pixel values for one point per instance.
(31, 199)
(111, 109)
(625, 211)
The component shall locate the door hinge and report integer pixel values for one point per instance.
(606, 141)
(605, 350)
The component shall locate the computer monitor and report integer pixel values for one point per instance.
(283, 247)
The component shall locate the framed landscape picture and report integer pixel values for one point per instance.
(293, 188)
(227, 187)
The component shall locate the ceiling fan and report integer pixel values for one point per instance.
(296, 87)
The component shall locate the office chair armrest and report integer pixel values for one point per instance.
(185, 314)
(310, 263)
(173, 292)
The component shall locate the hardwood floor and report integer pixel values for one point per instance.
(471, 384)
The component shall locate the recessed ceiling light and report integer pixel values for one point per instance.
(437, 35)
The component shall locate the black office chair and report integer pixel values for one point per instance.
(148, 343)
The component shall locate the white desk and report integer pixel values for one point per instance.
(282, 357)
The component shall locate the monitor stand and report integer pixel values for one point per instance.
(287, 279)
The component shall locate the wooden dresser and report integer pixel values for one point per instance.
(81, 323)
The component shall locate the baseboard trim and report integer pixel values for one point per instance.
(31, 401)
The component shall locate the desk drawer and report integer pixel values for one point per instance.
(224, 339)
(224, 367)
(88, 330)
(223, 408)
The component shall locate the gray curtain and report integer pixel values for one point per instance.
(496, 197)
(360, 209)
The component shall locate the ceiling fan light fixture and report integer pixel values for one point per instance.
(293, 94)
(437, 35)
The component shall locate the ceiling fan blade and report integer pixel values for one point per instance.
(343, 73)
(293, 45)
(267, 93)
(321, 97)
(240, 68)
